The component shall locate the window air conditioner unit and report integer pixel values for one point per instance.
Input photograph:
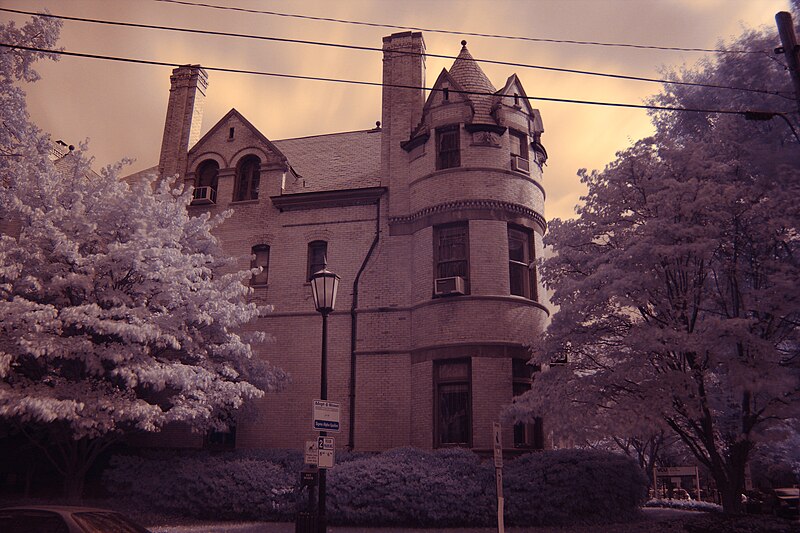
(446, 286)
(204, 195)
(520, 164)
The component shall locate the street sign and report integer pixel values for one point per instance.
(497, 445)
(311, 455)
(326, 447)
(326, 415)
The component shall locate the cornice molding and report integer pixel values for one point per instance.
(475, 210)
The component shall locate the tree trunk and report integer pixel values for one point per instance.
(74, 481)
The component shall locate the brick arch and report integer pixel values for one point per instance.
(196, 160)
(263, 155)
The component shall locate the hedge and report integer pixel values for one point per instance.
(402, 487)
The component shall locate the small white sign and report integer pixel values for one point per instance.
(311, 455)
(326, 415)
(326, 448)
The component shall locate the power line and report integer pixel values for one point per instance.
(461, 33)
(378, 84)
(375, 49)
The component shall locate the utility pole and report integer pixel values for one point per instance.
(790, 50)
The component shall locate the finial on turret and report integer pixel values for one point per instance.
(464, 43)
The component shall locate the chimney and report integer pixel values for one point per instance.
(187, 94)
(403, 64)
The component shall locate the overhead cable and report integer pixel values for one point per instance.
(453, 32)
(375, 49)
(377, 84)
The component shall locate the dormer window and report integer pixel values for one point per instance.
(231, 131)
(448, 149)
(248, 176)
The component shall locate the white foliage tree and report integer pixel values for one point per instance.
(677, 284)
(118, 311)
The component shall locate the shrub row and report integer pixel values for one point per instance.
(405, 487)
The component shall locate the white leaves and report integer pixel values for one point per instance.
(117, 309)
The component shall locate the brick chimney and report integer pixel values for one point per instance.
(403, 64)
(187, 94)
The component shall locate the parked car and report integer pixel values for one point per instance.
(65, 519)
(680, 494)
(785, 502)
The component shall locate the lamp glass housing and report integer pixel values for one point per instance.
(324, 286)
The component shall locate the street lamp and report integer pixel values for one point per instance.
(324, 285)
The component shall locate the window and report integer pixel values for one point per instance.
(317, 254)
(453, 422)
(207, 174)
(526, 435)
(451, 251)
(519, 144)
(521, 266)
(448, 151)
(248, 176)
(260, 259)
(220, 440)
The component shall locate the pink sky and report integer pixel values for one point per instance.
(120, 107)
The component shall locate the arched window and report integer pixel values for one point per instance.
(260, 259)
(248, 176)
(205, 191)
(207, 174)
(317, 252)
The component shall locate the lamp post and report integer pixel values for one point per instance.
(324, 285)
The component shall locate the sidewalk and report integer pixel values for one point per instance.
(654, 521)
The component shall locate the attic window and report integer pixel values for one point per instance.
(446, 93)
(230, 134)
(516, 100)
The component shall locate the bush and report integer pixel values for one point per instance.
(249, 485)
(401, 487)
(411, 487)
(572, 487)
(686, 505)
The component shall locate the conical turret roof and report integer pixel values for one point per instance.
(468, 74)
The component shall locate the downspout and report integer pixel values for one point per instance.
(354, 326)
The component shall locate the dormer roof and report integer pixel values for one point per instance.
(223, 122)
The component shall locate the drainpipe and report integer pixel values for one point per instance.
(354, 326)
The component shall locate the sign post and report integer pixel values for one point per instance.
(676, 472)
(497, 447)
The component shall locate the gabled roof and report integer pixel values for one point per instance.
(468, 74)
(445, 79)
(224, 120)
(349, 160)
(513, 85)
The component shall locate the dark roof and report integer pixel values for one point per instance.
(350, 160)
(336, 161)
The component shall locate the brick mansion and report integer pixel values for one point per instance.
(433, 221)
